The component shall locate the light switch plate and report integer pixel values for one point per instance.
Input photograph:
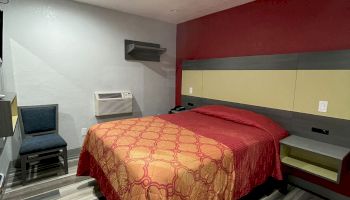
(322, 106)
(190, 90)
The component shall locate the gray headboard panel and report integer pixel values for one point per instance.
(334, 60)
(296, 123)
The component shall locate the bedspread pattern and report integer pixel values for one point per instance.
(151, 158)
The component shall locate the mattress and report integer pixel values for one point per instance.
(211, 152)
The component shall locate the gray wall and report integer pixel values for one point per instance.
(58, 51)
(62, 51)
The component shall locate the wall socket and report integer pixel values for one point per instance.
(190, 90)
(84, 131)
(322, 106)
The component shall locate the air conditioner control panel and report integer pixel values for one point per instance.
(126, 94)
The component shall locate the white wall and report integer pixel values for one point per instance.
(62, 51)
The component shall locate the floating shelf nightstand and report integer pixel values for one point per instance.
(318, 158)
(8, 114)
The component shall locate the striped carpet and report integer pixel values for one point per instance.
(47, 181)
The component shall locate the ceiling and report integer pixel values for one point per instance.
(172, 11)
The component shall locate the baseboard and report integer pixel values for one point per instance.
(317, 189)
(73, 152)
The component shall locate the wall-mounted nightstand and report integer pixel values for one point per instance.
(318, 158)
(8, 114)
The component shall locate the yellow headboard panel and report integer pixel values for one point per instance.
(330, 85)
(291, 90)
(267, 88)
(192, 79)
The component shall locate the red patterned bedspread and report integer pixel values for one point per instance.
(127, 165)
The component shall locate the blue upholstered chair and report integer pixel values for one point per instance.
(40, 139)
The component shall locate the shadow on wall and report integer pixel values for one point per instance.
(15, 143)
(163, 67)
(66, 125)
(166, 70)
(44, 89)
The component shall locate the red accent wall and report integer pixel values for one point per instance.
(264, 27)
(267, 27)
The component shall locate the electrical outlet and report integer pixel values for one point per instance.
(322, 106)
(83, 131)
(190, 90)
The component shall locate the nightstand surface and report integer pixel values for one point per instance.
(334, 151)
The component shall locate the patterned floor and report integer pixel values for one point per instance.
(48, 182)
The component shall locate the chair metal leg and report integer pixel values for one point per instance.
(24, 168)
(65, 160)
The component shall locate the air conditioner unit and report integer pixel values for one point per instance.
(111, 103)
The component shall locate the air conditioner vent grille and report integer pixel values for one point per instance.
(111, 103)
(110, 95)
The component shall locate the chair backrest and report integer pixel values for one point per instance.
(39, 119)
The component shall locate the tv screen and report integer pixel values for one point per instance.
(1, 20)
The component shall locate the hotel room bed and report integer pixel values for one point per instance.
(211, 152)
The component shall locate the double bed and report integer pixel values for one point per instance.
(210, 152)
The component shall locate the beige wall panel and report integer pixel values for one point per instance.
(192, 79)
(267, 88)
(329, 85)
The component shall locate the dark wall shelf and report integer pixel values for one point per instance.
(143, 51)
(8, 114)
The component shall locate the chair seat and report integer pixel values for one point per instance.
(41, 143)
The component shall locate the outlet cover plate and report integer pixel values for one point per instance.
(322, 106)
(84, 131)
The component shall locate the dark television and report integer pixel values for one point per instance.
(1, 26)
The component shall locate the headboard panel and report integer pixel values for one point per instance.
(296, 123)
(266, 88)
(286, 88)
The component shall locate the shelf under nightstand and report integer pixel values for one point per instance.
(318, 158)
